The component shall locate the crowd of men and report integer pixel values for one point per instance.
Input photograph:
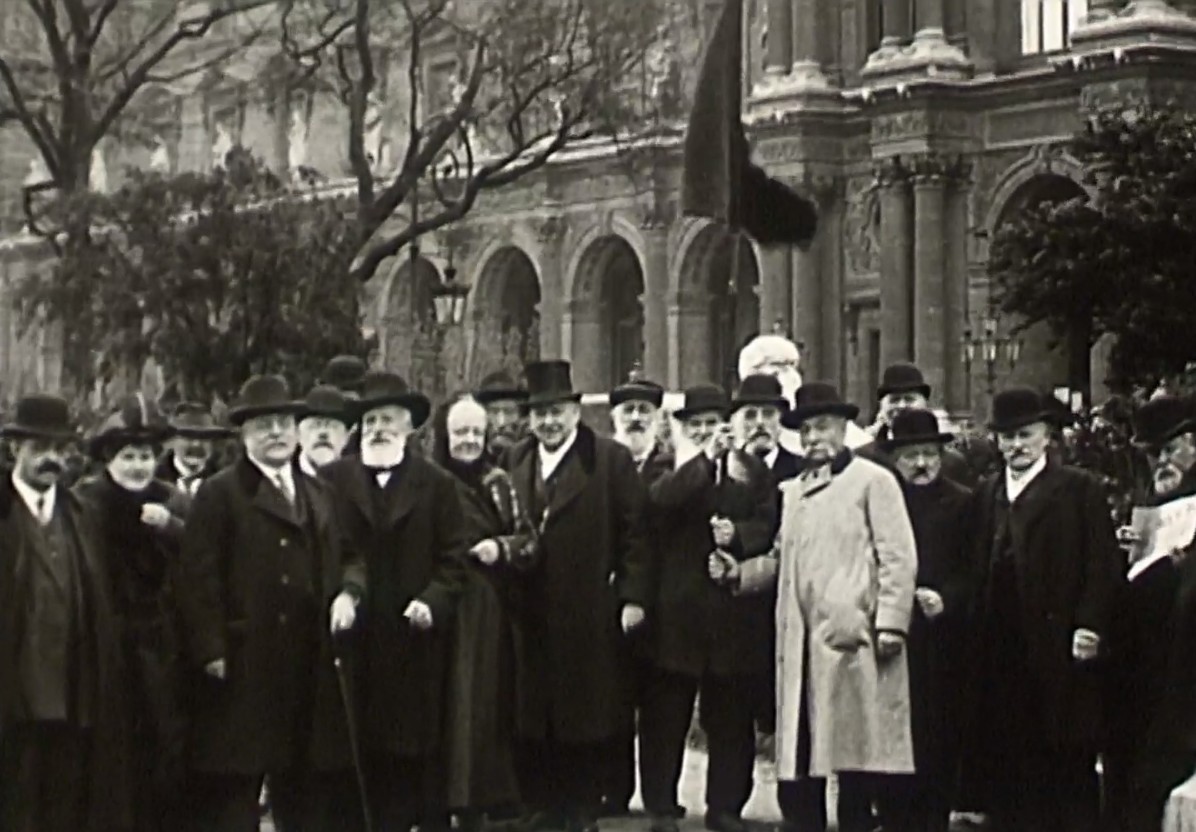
(512, 622)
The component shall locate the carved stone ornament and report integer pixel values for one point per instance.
(552, 229)
(861, 227)
(657, 215)
(934, 167)
(891, 171)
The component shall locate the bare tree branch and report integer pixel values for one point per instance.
(45, 142)
(101, 18)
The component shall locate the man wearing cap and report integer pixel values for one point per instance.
(324, 425)
(261, 585)
(190, 456)
(503, 399)
(63, 744)
(1048, 571)
(1152, 640)
(403, 514)
(705, 638)
(845, 568)
(940, 512)
(589, 588)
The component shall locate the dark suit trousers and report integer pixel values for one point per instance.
(620, 775)
(229, 802)
(562, 779)
(43, 777)
(727, 715)
(397, 789)
(1048, 791)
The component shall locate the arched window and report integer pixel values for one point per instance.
(1047, 24)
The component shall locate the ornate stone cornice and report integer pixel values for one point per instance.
(935, 168)
(891, 172)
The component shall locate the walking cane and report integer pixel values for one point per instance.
(354, 745)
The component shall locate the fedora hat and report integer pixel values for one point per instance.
(903, 378)
(1017, 407)
(41, 416)
(549, 382)
(193, 420)
(817, 398)
(760, 390)
(498, 387)
(325, 401)
(1160, 420)
(637, 390)
(136, 421)
(344, 372)
(704, 398)
(915, 427)
(382, 388)
(262, 396)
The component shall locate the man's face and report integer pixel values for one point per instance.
(191, 452)
(635, 425)
(40, 462)
(386, 426)
(894, 403)
(504, 424)
(919, 464)
(761, 427)
(823, 437)
(322, 439)
(270, 439)
(1173, 461)
(701, 427)
(551, 424)
(1023, 447)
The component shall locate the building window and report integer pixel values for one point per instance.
(1047, 24)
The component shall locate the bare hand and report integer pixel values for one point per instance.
(723, 568)
(889, 645)
(487, 552)
(723, 530)
(216, 669)
(1128, 537)
(419, 614)
(156, 515)
(1085, 645)
(930, 602)
(632, 617)
(344, 613)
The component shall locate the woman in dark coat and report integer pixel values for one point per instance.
(142, 519)
(479, 773)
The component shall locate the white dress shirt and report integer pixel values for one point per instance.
(31, 496)
(551, 460)
(1016, 483)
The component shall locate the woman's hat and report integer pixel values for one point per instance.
(760, 390)
(915, 427)
(262, 396)
(1160, 420)
(136, 421)
(382, 388)
(704, 398)
(41, 416)
(1017, 407)
(817, 398)
(549, 382)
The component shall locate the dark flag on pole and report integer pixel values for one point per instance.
(719, 179)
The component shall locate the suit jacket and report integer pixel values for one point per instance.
(595, 560)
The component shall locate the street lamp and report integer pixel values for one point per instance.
(448, 296)
(988, 344)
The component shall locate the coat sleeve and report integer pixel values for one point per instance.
(896, 552)
(450, 544)
(1102, 561)
(199, 571)
(629, 501)
(756, 533)
(758, 574)
(690, 486)
(960, 579)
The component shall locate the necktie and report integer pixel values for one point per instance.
(42, 517)
(285, 487)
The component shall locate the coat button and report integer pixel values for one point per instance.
(282, 619)
(284, 543)
(286, 580)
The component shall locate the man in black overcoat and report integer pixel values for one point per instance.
(1049, 570)
(403, 514)
(63, 732)
(704, 637)
(940, 511)
(588, 589)
(260, 583)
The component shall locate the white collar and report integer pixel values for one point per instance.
(182, 472)
(272, 474)
(551, 460)
(770, 458)
(306, 466)
(1015, 484)
(31, 495)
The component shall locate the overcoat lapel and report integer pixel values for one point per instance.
(1030, 508)
(523, 478)
(266, 497)
(402, 491)
(569, 481)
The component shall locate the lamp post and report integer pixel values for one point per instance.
(987, 343)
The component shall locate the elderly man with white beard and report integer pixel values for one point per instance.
(324, 424)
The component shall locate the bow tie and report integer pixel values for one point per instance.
(382, 469)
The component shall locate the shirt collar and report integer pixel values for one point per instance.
(31, 496)
(183, 472)
(271, 474)
(306, 466)
(1015, 484)
(562, 450)
(770, 458)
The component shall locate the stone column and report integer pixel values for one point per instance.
(807, 68)
(807, 303)
(828, 359)
(551, 234)
(955, 395)
(776, 288)
(929, 272)
(689, 331)
(780, 37)
(930, 43)
(655, 223)
(896, 262)
(1098, 9)
(896, 24)
(589, 350)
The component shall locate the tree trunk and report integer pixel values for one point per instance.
(1079, 359)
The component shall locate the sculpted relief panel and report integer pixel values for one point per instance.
(861, 227)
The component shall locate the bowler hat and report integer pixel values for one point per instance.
(137, 421)
(903, 378)
(382, 388)
(497, 387)
(1017, 407)
(637, 390)
(817, 398)
(915, 427)
(262, 396)
(345, 373)
(194, 421)
(704, 398)
(549, 382)
(40, 416)
(760, 389)
(1160, 420)
(325, 401)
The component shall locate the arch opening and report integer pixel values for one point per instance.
(608, 314)
(506, 313)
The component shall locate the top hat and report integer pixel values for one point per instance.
(817, 398)
(915, 427)
(262, 396)
(137, 421)
(497, 387)
(41, 416)
(760, 390)
(194, 421)
(344, 372)
(1160, 420)
(637, 390)
(549, 382)
(382, 388)
(325, 401)
(1017, 407)
(704, 398)
(903, 378)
